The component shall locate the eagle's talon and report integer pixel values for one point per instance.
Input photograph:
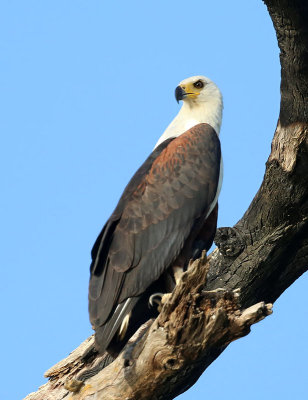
(155, 298)
(159, 299)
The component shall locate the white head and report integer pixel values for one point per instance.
(197, 90)
(202, 103)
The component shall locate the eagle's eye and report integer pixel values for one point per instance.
(199, 84)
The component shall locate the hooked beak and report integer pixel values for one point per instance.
(179, 93)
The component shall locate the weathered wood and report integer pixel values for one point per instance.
(191, 325)
(262, 255)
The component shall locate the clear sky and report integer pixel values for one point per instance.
(86, 89)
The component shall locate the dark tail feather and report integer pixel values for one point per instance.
(104, 334)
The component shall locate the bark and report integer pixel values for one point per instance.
(256, 260)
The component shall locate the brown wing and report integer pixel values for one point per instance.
(156, 213)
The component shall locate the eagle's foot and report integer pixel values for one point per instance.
(159, 299)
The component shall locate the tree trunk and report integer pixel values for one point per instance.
(256, 260)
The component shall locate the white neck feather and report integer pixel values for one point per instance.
(194, 112)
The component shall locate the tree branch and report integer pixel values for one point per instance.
(262, 255)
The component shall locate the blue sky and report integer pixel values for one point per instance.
(86, 89)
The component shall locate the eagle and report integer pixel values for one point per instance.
(166, 216)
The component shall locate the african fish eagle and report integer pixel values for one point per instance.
(166, 215)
